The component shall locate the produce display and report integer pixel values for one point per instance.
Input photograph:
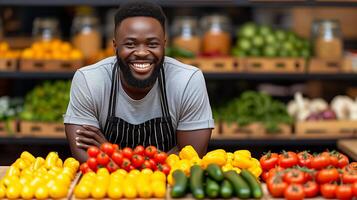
(29, 177)
(298, 175)
(264, 41)
(178, 52)
(53, 49)
(6, 52)
(253, 107)
(47, 102)
(109, 156)
(212, 182)
(9, 110)
(340, 108)
(121, 184)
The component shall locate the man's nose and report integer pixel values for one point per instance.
(141, 51)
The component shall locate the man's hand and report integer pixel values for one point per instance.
(90, 136)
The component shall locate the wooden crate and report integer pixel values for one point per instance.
(4, 130)
(325, 66)
(8, 64)
(254, 130)
(275, 65)
(219, 64)
(42, 129)
(326, 129)
(31, 65)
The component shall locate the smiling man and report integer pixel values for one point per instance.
(139, 96)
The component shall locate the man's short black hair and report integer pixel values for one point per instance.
(140, 8)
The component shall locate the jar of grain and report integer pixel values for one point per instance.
(45, 29)
(86, 35)
(327, 39)
(216, 37)
(186, 34)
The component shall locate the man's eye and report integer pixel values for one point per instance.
(129, 44)
(153, 44)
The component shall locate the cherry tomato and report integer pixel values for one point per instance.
(328, 190)
(107, 148)
(117, 157)
(327, 175)
(349, 177)
(274, 171)
(342, 160)
(276, 186)
(288, 159)
(320, 161)
(92, 164)
(344, 192)
(311, 189)
(127, 152)
(165, 168)
(126, 164)
(294, 176)
(305, 159)
(334, 160)
(160, 157)
(294, 192)
(137, 160)
(140, 150)
(354, 189)
(93, 151)
(103, 159)
(153, 164)
(112, 167)
(84, 167)
(146, 165)
(269, 161)
(150, 151)
(115, 147)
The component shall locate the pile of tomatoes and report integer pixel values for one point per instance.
(303, 175)
(112, 157)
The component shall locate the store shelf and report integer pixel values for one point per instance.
(186, 3)
(211, 76)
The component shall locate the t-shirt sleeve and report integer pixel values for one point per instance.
(195, 112)
(81, 108)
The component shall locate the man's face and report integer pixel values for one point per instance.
(140, 45)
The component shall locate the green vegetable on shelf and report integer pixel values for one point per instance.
(178, 52)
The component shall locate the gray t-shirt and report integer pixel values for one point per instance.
(186, 95)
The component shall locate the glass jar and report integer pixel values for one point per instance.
(186, 34)
(216, 38)
(45, 29)
(86, 35)
(327, 39)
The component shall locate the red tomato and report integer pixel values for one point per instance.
(349, 177)
(327, 175)
(137, 160)
(93, 151)
(103, 159)
(305, 159)
(288, 159)
(150, 151)
(265, 176)
(311, 189)
(146, 164)
(294, 176)
(160, 157)
(84, 167)
(140, 150)
(153, 164)
(276, 186)
(320, 161)
(126, 164)
(117, 157)
(342, 160)
(334, 160)
(328, 190)
(115, 147)
(273, 172)
(127, 152)
(294, 192)
(165, 168)
(351, 167)
(107, 148)
(344, 192)
(92, 164)
(112, 167)
(269, 161)
(354, 189)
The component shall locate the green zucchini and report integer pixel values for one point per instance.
(240, 186)
(180, 184)
(196, 182)
(254, 185)
(215, 172)
(226, 189)
(212, 188)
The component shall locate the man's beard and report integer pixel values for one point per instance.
(134, 82)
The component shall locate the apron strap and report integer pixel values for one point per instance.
(112, 100)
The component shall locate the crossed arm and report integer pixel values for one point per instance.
(81, 137)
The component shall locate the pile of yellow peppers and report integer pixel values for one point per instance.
(240, 159)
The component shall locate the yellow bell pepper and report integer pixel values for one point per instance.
(172, 159)
(236, 169)
(218, 157)
(27, 156)
(188, 152)
(244, 153)
(227, 167)
(184, 165)
(242, 161)
(38, 163)
(230, 157)
(256, 171)
(196, 161)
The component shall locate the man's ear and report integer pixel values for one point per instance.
(114, 44)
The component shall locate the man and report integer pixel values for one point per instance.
(139, 97)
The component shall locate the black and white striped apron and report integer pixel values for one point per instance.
(158, 132)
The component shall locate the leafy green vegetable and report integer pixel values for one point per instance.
(178, 52)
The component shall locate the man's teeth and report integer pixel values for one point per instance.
(142, 66)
